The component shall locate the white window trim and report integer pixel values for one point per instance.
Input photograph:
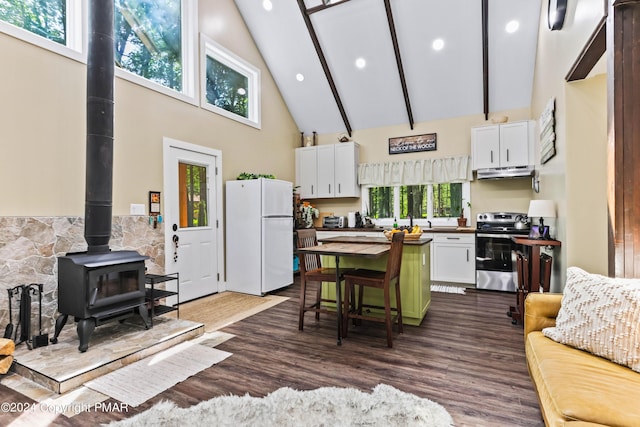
(189, 60)
(76, 28)
(388, 222)
(209, 48)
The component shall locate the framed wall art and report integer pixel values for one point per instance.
(154, 203)
(411, 144)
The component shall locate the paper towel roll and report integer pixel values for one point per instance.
(351, 219)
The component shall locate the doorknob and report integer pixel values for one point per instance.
(175, 227)
(175, 250)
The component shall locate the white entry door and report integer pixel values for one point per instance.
(192, 243)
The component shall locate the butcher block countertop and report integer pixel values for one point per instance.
(366, 239)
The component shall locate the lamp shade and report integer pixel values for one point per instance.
(542, 209)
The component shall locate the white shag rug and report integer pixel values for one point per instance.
(448, 289)
(327, 406)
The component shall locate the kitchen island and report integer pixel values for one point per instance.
(415, 275)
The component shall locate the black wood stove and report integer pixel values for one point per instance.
(99, 288)
(99, 285)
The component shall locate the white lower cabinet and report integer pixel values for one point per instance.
(453, 258)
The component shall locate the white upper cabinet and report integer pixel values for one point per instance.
(503, 145)
(326, 171)
(347, 157)
(306, 172)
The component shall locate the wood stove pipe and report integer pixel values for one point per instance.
(100, 108)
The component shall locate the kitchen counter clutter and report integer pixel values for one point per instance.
(415, 274)
(367, 239)
(436, 229)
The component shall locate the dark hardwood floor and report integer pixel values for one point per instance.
(466, 355)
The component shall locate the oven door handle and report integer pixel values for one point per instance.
(500, 236)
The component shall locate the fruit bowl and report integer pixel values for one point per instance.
(407, 236)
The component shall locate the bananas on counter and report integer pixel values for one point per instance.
(411, 233)
(414, 230)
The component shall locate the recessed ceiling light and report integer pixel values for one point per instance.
(437, 44)
(299, 77)
(361, 63)
(267, 5)
(242, 91)
(512, 26)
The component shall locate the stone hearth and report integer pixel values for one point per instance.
(61, 367)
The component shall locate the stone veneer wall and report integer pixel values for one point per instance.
(29, 247)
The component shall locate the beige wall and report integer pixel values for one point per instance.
(575, 178)
(42, 127)
(586, 207)
(453, 139)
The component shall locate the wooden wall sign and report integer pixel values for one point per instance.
(547, 124)
(411, 144)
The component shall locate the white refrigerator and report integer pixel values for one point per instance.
(259, 235)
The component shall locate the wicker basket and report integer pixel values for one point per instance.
(407, 236)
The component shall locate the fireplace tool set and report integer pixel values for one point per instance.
(21, 332)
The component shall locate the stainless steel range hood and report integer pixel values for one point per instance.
(502, 173)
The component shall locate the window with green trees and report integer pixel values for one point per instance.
(227, 88)
(45, 18)
(154, 40)
(419, 201)
(231, 84)
(148, 40)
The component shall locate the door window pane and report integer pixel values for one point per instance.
(192, 185)
(148, 40)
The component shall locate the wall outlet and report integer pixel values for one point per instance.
(136, 209)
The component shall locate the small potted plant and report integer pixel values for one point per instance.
(462, 221)
(308, 214)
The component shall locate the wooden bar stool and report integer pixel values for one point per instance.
(381, 280)
(522, 268)
(312, 272)
(545, 272)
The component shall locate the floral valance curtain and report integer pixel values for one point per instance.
(416, 172)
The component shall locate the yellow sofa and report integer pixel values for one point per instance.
(575, 388)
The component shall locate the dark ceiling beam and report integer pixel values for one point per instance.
(591, 53)
(315, 9)
(396, 49)
(323, 62)
(485, 57)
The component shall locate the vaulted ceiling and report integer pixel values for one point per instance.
(404, 79)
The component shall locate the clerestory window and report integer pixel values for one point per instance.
(155, 41)
(53, 24)
(230, 85)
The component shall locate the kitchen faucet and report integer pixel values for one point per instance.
(429, 222)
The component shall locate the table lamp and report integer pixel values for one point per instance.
(542, 209)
